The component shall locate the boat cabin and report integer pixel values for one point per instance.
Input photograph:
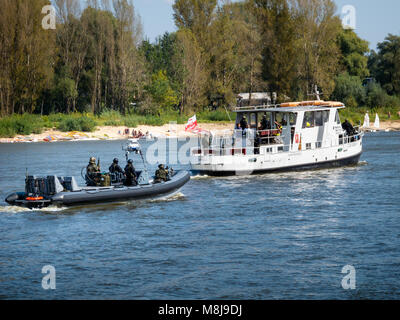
(310, 124)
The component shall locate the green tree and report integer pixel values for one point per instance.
(195, 15)
(354, 52)
(317, 28)
(26, 55)
(193, 19)
(161, 92)
(278, 34)
(194, 74)
(386, 64)
(349, 89)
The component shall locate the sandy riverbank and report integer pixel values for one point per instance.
(117, 133)
(390, 125)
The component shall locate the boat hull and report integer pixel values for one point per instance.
(348, 161)
(104, 194)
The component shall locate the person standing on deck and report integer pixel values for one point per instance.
(243, 123)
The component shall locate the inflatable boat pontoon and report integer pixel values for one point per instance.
(54, 190)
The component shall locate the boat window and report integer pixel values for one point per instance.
(337, 118)
(266, 125)
(318, 145)
(319, 119)
(325, 116)
(308, 146)
(293, 118)
(253, 120)
(279, 118)
(308, 121)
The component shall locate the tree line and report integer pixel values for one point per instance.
(97, 60)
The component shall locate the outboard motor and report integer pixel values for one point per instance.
(44, 187)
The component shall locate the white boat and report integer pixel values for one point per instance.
(377, 122)
(366, 121)
(133, 145)
(300, 135)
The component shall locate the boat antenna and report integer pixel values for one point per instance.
(315, 93)
(228, 114)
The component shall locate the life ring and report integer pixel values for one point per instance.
(297, 138)
(34, 198)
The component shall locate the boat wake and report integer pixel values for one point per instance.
(171, 197)
(199, 177)
(16, 209)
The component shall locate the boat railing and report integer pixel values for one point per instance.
(267, 137)
(232, 149)
(256, 107)
(347, 139)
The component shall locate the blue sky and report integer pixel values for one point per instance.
(375, 19)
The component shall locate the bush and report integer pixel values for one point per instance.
(217, 115)
(131, 122)
(87, 124)
(111, 118)
(25, 124)
(378, 98)
(83, 123)
(349, 90)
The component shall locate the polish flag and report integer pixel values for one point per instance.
(192, 124)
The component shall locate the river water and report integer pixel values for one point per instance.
(273, 236)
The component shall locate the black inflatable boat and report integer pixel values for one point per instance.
(52, 190)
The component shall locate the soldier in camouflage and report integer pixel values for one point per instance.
(161, 174)
(130, 173)
(92, 172)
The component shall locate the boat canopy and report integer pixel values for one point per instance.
(285, 109)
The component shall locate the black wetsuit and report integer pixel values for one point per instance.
(115, 168)
(130, 172)
(265, 124)
(243, 124)
(348, 127)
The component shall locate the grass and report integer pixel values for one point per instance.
(84, 123)
(21, 125)
(356, 115)
(27, 124)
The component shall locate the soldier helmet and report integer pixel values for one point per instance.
(130, 161)
(115, 161)
(92, 160)
(161, 166)
(244, 117)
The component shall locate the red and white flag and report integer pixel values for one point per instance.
(192, 124)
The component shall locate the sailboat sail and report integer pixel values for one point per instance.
(366, 121)
(377, 123)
